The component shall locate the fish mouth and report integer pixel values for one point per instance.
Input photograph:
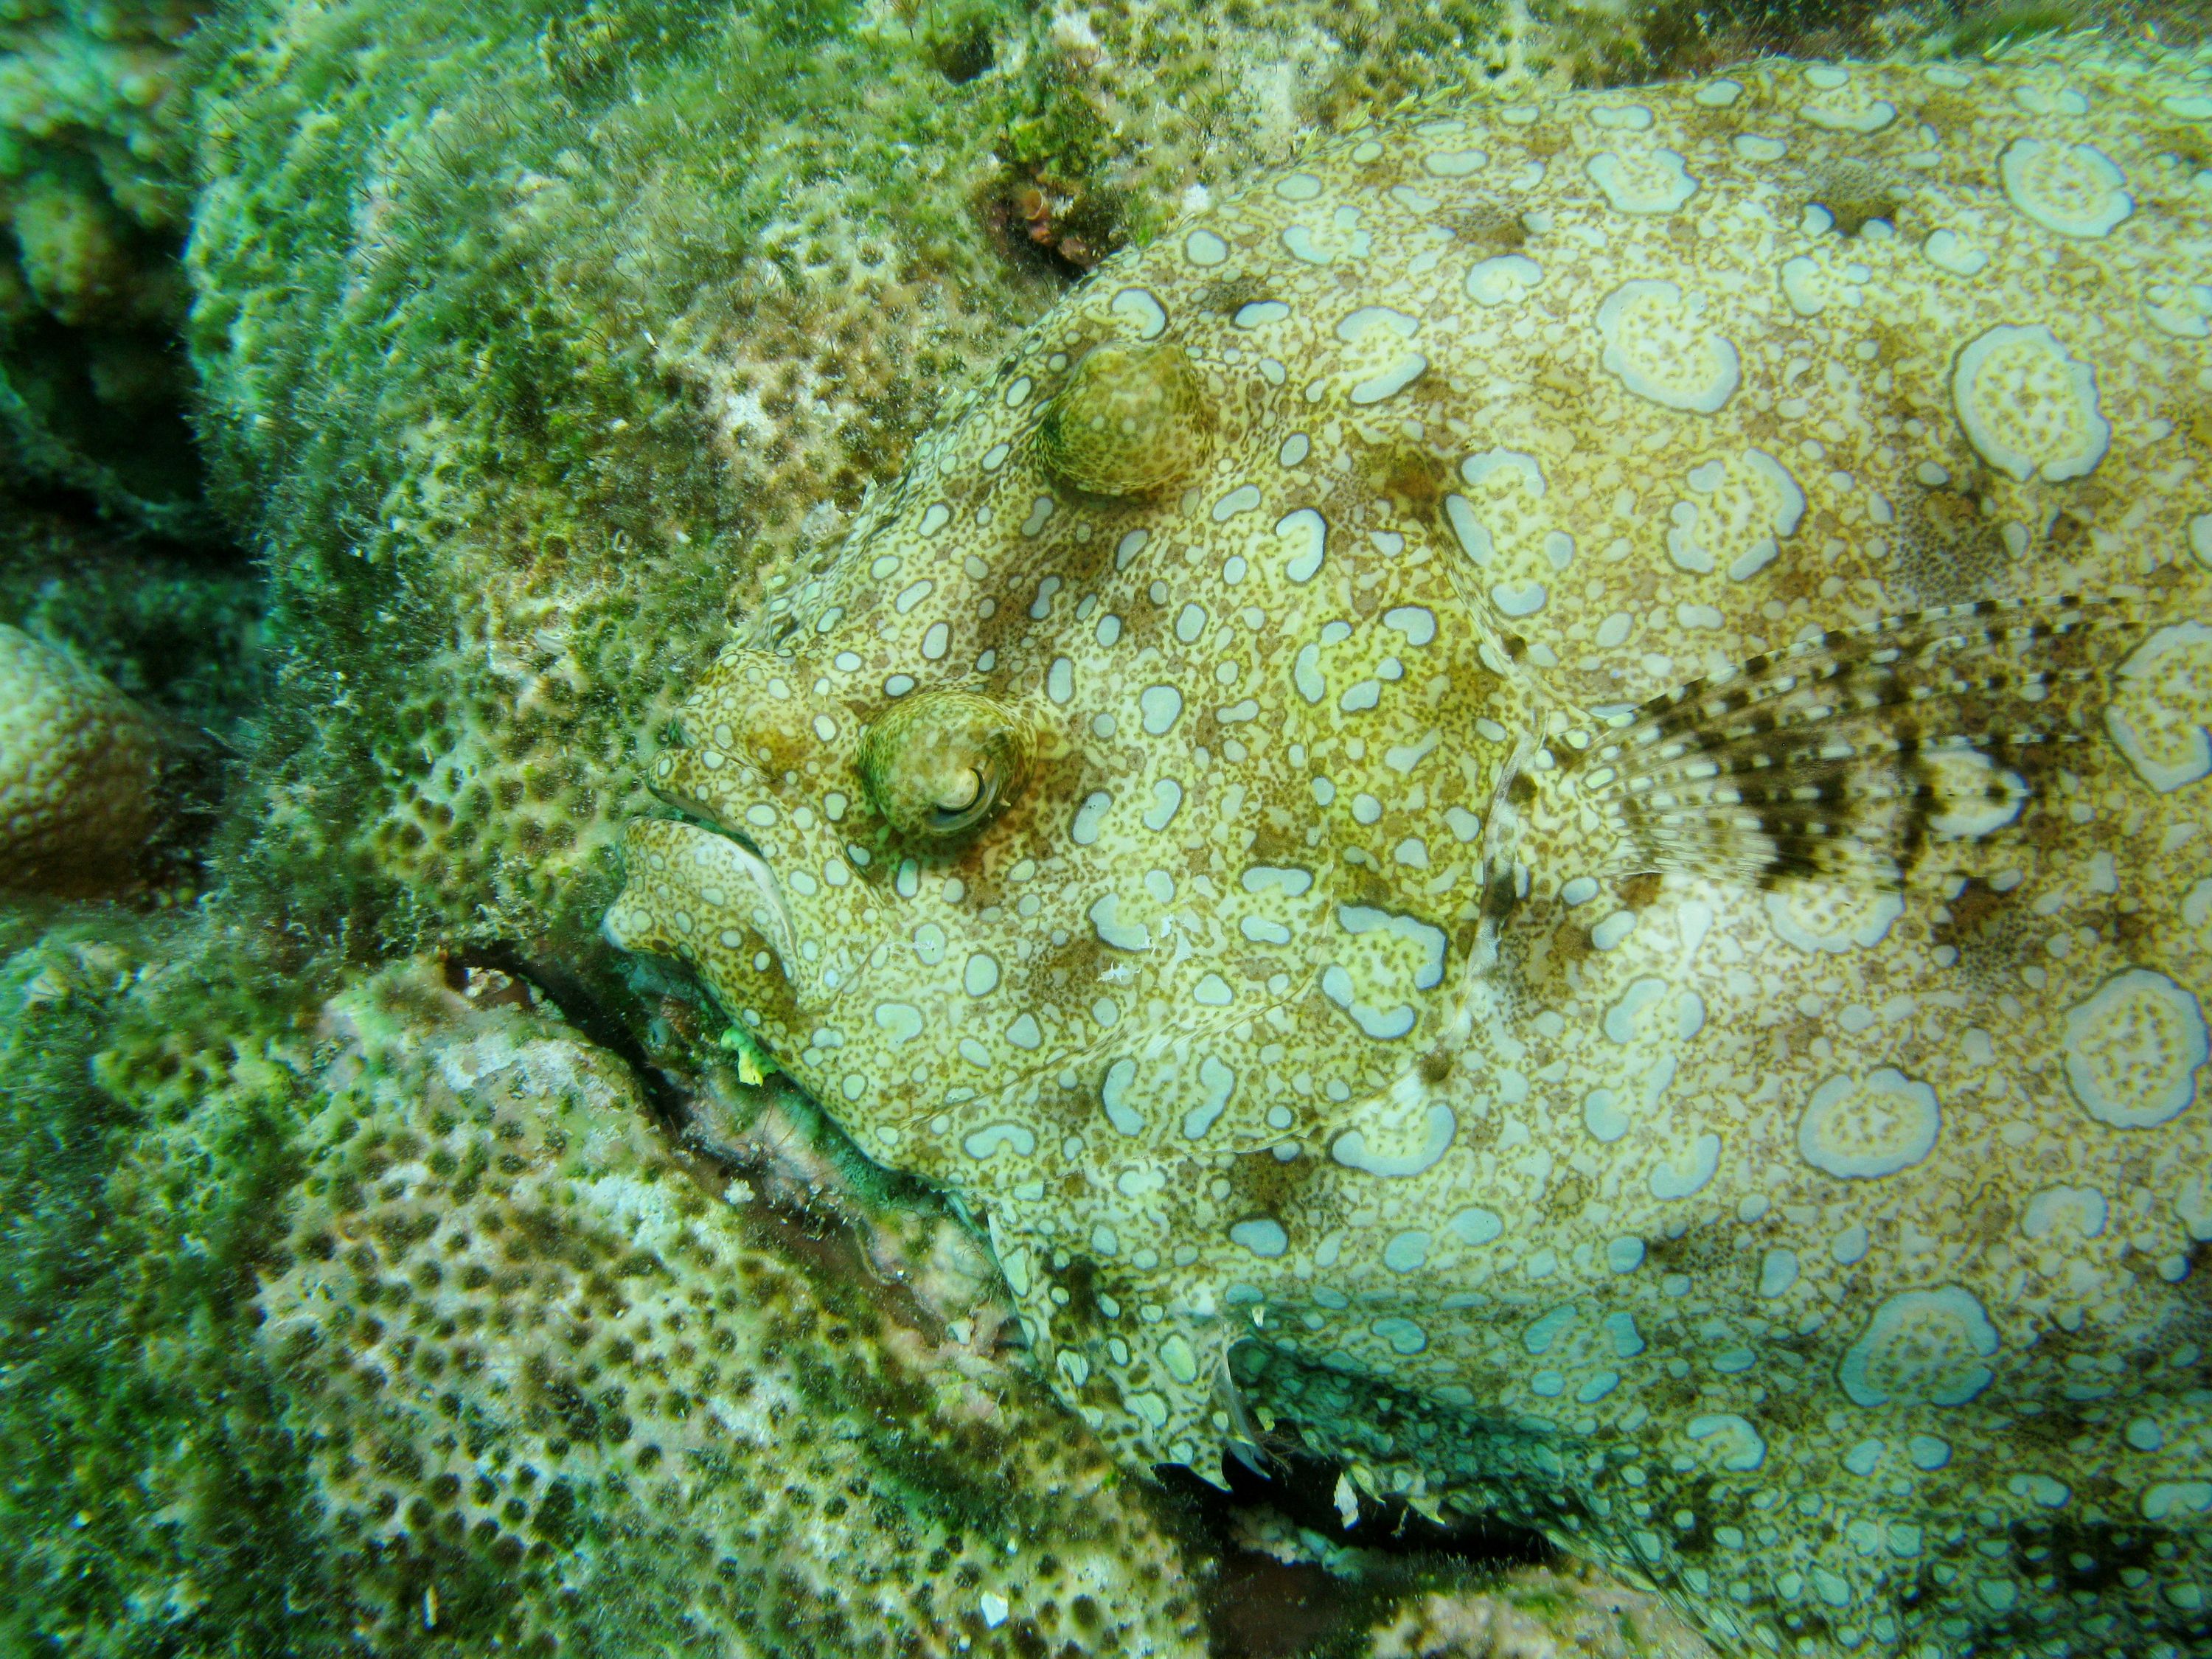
(711, 898)
(773, 907)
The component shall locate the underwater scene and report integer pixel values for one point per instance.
(1186, 828)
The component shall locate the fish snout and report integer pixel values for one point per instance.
(710, 902)
(750, 896)
(749, 744)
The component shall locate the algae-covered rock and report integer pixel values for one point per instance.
(95, 184)
(132, 671)
(388, 1322)
(151, 1079)
(176, 629)
(555, 1389)
(1536, 1613)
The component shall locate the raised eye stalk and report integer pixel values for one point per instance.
(1132, 420)
(939, 764)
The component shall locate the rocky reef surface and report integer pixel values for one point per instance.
(95, 190)
(389, 1267)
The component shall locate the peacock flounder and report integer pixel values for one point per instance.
(1476, 776)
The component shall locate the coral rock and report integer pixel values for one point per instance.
(95, 184)
(79, 766)
(527, 1346)
(1537, 1612)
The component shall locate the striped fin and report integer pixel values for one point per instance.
(1868, 755)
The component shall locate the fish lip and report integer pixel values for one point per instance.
(765, 882)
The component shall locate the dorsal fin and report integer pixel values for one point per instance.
(1857, 755)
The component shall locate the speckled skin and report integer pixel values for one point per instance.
(1794, 1196)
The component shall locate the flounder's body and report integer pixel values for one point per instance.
(1757, 1139)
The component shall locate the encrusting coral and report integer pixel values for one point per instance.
(80, 773)
(555, 1387)
(389, 1315)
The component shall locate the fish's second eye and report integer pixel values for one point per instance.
(939, 764)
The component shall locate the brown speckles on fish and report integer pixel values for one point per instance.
(1581, 890)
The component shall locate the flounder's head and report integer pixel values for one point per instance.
(1136, 743)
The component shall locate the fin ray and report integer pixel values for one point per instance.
(1858, 755)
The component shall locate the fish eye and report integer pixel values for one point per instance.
(1134, 419)
(938, 765)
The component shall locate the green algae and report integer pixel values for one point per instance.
(149, 1090)
(94, 188)
(177, 629)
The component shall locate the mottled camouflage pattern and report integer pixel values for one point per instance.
(1747, 1125)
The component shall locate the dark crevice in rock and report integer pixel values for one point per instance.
(1264, 1606)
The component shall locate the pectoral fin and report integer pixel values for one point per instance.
(1881, 755)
